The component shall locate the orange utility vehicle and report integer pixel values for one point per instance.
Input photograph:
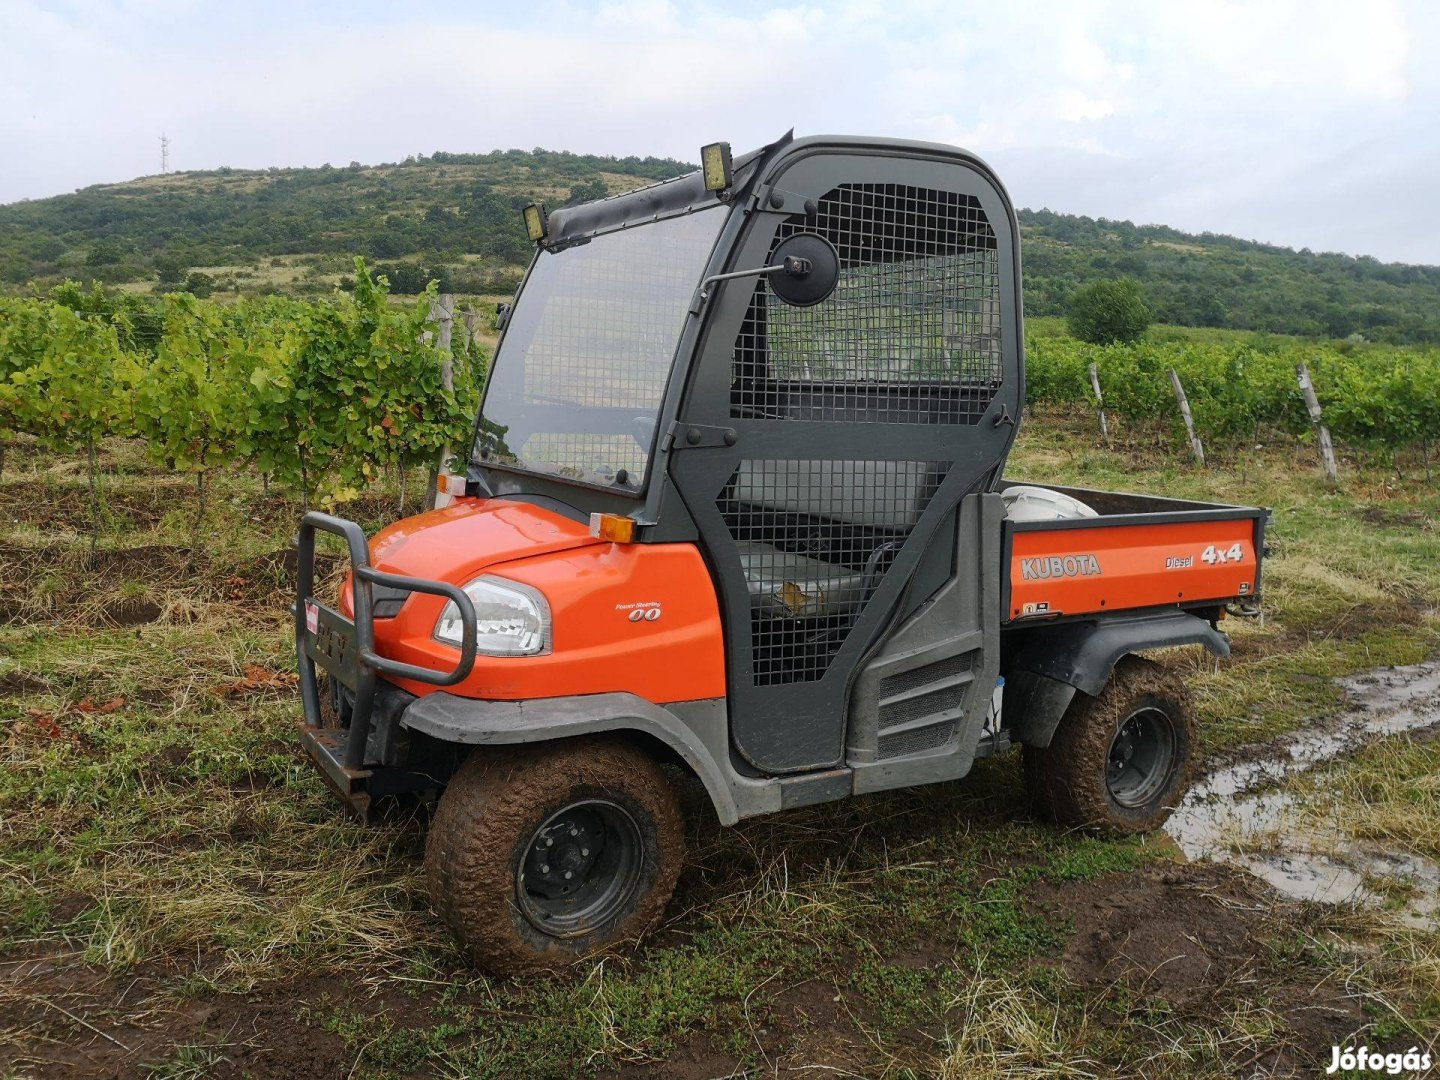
(735, 509)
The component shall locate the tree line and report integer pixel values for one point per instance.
(1221, 281)
(455, 217)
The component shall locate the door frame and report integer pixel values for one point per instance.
(800, 726)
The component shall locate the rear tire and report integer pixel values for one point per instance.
(1118, 763)
(539, 856)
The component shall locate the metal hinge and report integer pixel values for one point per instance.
(682, 436)
(778, 200)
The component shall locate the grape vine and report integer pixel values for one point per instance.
(319, 396)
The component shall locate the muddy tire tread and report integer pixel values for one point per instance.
(1066, 779)
(492, 805)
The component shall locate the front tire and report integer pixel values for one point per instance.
(1118, 763)
(539, 856)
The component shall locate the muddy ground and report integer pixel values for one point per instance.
(1186, 935)
(179, 897)
(1176, 936)
(1242, 799)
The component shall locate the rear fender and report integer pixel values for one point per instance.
(1054, 662)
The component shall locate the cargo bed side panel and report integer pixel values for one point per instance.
(1095, 565)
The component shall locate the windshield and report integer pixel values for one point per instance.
(582, 369)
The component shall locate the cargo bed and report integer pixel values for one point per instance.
(1141, 552)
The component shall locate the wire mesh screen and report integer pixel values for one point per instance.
(815, 539)
(586, 357)
(911, 334)
(919, 709)
(915, 740)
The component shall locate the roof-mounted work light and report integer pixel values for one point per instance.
(536, 221)
(716, 167)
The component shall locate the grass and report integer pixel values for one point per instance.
(189, 1062)
(1388, 794)
(159, 831)
(1385, 799)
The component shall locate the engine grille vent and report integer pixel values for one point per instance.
(914, 679)
(919, 709)
(914, 741)
(946, 699)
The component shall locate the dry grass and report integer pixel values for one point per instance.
(1388, 794)
(1002, 1029)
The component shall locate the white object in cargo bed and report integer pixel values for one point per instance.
(1024, 502)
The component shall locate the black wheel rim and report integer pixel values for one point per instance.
(580, 868)
(1142, 756)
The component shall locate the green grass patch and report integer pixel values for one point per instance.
(155, 815)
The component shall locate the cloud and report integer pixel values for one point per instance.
(1281, 120)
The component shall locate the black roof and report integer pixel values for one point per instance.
(669, 198)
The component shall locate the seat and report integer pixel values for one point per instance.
(864, 507)
(787, 585)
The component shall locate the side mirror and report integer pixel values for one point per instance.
(810, 270)
(805, 271)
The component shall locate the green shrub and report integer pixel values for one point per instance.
(1105, 312)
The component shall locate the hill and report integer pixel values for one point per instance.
(455, 217)
(1222, 281)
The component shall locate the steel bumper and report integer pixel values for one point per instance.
(345, 649)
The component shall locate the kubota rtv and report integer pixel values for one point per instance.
(735, 504)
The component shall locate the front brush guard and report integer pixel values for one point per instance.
(345, 648)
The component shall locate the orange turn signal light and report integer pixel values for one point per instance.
(451, 484)
(617, 528)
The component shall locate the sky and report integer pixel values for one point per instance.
(1312, 124)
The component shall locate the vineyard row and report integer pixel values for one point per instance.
(321, 397)
(324, 396)
(1375, 399)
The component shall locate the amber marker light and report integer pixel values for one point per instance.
(617, 528)
(451, 484)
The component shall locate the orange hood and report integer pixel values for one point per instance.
(594, 588)
(458, 542)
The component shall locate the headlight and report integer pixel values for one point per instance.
(510, 619)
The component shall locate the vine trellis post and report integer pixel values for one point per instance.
(443, 315)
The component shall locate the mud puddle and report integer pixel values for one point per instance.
(1234, 816)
